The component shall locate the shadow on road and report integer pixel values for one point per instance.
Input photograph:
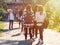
(9, 42)
(4, 30)
(24, 42)
(15, 42)
(16, 35)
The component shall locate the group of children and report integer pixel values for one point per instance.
(32, 20)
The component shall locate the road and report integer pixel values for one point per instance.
(16, 37)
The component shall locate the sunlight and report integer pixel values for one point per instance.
(54, 3)
(35, 1)
(52, 8)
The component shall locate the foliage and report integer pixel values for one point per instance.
(3, 7)
(57, 28)
(53, 12)
(3, 4)
(1, 25)
(1, 28)
(2, 10)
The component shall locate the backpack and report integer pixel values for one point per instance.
(28, 18)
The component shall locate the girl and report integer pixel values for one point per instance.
(40, 17)
(28, 21)
(11, 19)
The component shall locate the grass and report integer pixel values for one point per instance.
(1, 28)
(1, 25)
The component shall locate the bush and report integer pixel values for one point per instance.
(53, 13)
(1, 25)
(2, 12)
(57, 28)
(0, 18)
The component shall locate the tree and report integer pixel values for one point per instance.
(3, 4)
(53, 11)
(3, 7)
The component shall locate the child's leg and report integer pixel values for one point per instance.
(30, 33)
(25, 30)
(12, 24)
(36, 32)
(9, 24)
(19, 23)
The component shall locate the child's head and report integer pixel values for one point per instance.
(40, 8)
(29, 7)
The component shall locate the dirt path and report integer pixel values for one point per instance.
(16, 37)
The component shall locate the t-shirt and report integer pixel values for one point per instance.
(11, 16)
(40, 18)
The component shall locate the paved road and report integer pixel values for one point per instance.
(16, 37)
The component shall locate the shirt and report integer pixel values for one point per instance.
(11, 16)
(40, 18)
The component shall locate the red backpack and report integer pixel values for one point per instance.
(28, 18)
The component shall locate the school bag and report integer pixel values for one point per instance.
(28, 20)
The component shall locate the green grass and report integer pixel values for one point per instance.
(1, 28)
(1, 25)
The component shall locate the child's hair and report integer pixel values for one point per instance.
(9, 10)
(29, 7)
(40, 8)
